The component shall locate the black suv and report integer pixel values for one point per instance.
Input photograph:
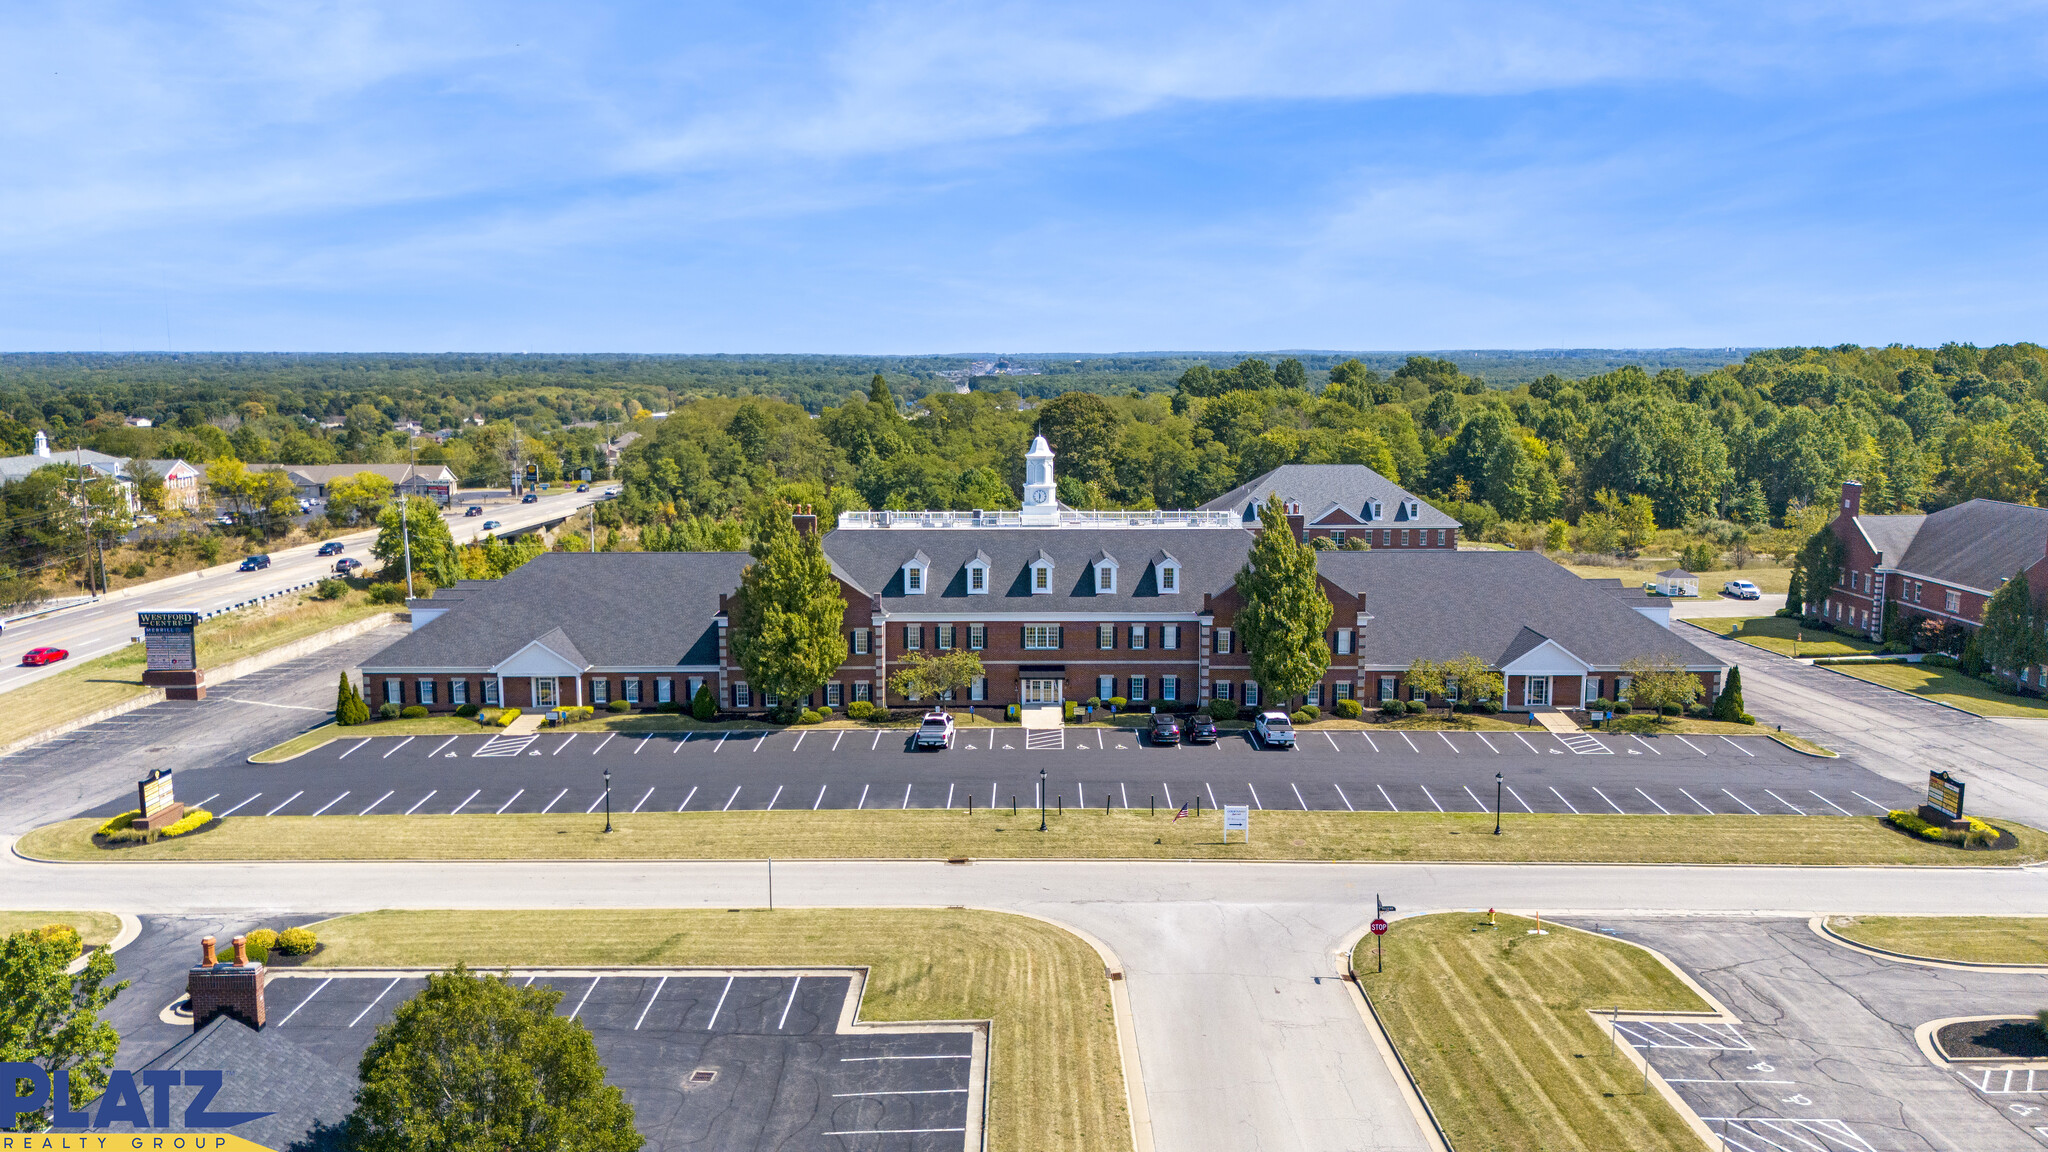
(252, 563)
(331, 548)
(1201, 730)
(1165, 728)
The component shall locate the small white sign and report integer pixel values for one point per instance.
(1237, 818)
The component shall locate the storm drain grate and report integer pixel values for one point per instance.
(703, 1076)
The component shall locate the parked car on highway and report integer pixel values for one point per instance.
(347, 564)
(935, 732)
(1165, 729)
(530, 498)
(255, 563)
(37, 657)
(1741, 590)
(1200, 730)
(490, 524)
(331, 548)
(474, 510)
(1273, 730)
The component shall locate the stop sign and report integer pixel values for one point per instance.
(1379, 927)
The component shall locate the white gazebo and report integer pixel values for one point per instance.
(1678, 582)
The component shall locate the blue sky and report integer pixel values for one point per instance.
(936, 177)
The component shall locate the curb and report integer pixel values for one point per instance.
(1819, 924)
(1830, 668)
(131, 927)
(1411, 1091)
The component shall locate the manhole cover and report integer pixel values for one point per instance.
(703, 1076)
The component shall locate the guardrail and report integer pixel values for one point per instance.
(260, 599)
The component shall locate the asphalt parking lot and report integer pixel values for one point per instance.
(557, 771)
(1822, 1056)
(707, 1058)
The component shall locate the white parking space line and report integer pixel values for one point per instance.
(1368, 742)
(422, 800)
(863, 801)
(720, 746)
(906, 796)
(1610, 802)
(1475, 798)
(729, 799)
(1696, 800)
(599, 799)
(353, 751)
(374, 803)
(1647, 744)
(791, 1003)
(1447, 740)
(650, 1003)
(602, 743)
(508, 803)
(1432, 798)
(686, 800)
(1212, 794)
(650, 792)
(1829, 803)
(1169, 796)
(820, 799)
(333, 802)
(208, 800)
(555, 801)
(1739, 748)
(1567, 803)
(1488, 743)
(1332, 740)
(301, 1004)
(586, 997)
(1297, 795)
(1526, 744)
(1869, 801)
(441, 745)
(1411, 744)
(1255, 797)
(1653, 800)
(287, 800)
(239, 807)
(1785, 802)
(1519, 800)
(1688, 744)
(836, 738)
(878, 741)
(720, 1006)
(374, 1003)
(1340, 796)
(397, 746)
(643, 743)
(1391, 806)
(1098, 740)
(799, 741)
(1741, 801)
(465, 803)
(1121, 786)
(565, 743)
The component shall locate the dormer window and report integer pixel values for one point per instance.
(1166, 572)
(1105, 573)
(914, 573)
(1414, 509)
(977, 575)
(1374, 511)
(1041, 575)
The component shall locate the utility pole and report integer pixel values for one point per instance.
(404, 506)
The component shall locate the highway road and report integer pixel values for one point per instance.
(105, 625)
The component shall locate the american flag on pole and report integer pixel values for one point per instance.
(1183, 811)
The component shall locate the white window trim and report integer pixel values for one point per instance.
(1169, 578)
(923, 577)
(980, 569)
(1038, 567)
(1105, 577)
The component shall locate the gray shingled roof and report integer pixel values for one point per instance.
(614, 609)
(1210, 559)
(305, 1097)
(1437, 604)
(1979, 544)
(1890, 535)
(1317, 486)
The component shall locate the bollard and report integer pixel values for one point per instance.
(1198, 804)
(1105, 804)
(970, 803)
(1013, 805)
(1060, 805)
(1153, 804)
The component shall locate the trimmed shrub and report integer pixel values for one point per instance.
(1010, 712)
(388, 711)
(331, 589)
(824, 711)
(1349, 710)
(704, 705)
(1222, 710)
(1117, 702)
(618, 706)
(1745, 718)
(1978, 833)
(859, 710)
(1669, 710)
(1072, 710)
(1095, 701)
(1313, 712)
(506, 716)
(466, 711)
(1487, 707)
(1600, 704)
(296, 941)
(413, 712)
(1393, 708)
(808, 716)
(1623, 707)
(1298, 716)
(262, 938)
(121, 829)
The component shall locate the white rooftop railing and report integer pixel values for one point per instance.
(1065, 519)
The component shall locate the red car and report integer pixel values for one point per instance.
(39, 656)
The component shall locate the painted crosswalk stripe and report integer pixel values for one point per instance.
(287, 800)
(508, 803)
(431, 793)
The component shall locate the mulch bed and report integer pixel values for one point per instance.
(2016, 1039)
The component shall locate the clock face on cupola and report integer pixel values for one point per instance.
(1040, 493)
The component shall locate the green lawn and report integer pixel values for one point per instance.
(1493, 1023)
(1768, 580)
(94, 928)
(1948, 686)
(1780, 635)
(1056, 1070)
(1076, 834)
(1977, 939)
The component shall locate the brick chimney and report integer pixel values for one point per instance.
(1852, 498)
(1296, 522)
(806, 520)
(220, 987)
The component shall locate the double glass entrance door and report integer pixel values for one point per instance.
(1042, 691)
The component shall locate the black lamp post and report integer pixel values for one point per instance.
(607, 799)
(1496, 803)
(1041, 799)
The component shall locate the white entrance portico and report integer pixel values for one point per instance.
(552, 668)
(1544, 674)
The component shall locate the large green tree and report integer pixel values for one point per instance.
(433, 548)
(1285, 616)
(479, 1064)
(51, 1018)
(786, 622)
(2011, 638)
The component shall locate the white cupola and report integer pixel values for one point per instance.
(43, 446)
(1041, 497)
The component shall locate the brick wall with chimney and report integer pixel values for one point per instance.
(220, 986)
